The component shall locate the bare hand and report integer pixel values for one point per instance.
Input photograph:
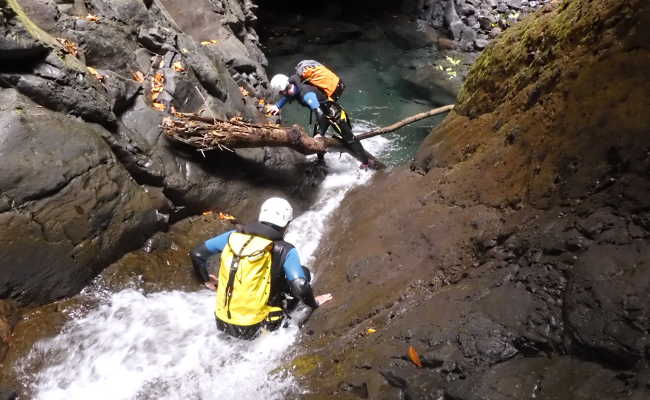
(212, 283)
(324, 298)
(273, 109)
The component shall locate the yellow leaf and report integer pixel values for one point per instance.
(209, 42)
(261, 101)
(159, 78)
(159, 106)
(207, 213)
(225, 216)
(371, 330)
(184, 50)
(96, 74)
(178, 66)
(414, 356)
(243, 91)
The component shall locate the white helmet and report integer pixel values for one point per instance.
(279, 82)
(276, 211)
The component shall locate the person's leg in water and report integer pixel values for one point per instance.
(345, 130)
(319, 131)
(240, 332)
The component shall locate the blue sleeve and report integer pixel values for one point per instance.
(217, 243)
(292, 266)
(311, 100)
(282, 102)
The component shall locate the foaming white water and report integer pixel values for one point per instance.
(160, 346)
(165, 345)
(343, 174)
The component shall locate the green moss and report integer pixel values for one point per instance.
(304, 365)
(39, 34)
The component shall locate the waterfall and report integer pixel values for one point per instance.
(165, 345)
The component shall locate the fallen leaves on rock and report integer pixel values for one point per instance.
(414, 356)
(137, 76)
(68, 46)
(96, 74)
(178, 67)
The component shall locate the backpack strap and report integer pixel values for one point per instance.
(234, 266)
(279, 253)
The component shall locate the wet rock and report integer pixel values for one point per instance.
(25, 51)
(66, 222)
(558, 378)
(483, 339)
(9, 316)
(43, 12)
(130, 13)
(604, 312)
(408, 34)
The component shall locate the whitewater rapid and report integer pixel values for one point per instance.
(165, 345)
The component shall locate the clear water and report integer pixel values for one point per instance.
(374, 92)
(165, 345)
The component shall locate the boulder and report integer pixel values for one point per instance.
(65, 222)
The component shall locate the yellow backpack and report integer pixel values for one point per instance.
(245, 281)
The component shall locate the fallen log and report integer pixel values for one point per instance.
(211, 134)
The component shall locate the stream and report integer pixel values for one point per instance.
(165, 345)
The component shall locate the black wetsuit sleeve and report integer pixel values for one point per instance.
(200, 255)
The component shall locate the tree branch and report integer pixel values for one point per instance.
(406, 121)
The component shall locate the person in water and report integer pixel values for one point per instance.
(260, 278)
(316, 87)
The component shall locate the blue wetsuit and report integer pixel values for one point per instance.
(291, 278)
(291, 266)
(310, 97)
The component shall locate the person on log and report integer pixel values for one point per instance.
(260, 278)
(318, 88)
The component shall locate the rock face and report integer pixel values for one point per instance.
(513, 256)
(85, 173)
(67, 205)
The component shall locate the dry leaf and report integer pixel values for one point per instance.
(243, 91)
(157, 85)
(414, 356)
(261, 101)
(96, 74)
(184, 50)
(225, 216)
(159, 106)
(137, 76)
(209, 42)
(92, 18)
(206, 213)
(68, 46)
(172, 109)
(178, 66)
(159, 78)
